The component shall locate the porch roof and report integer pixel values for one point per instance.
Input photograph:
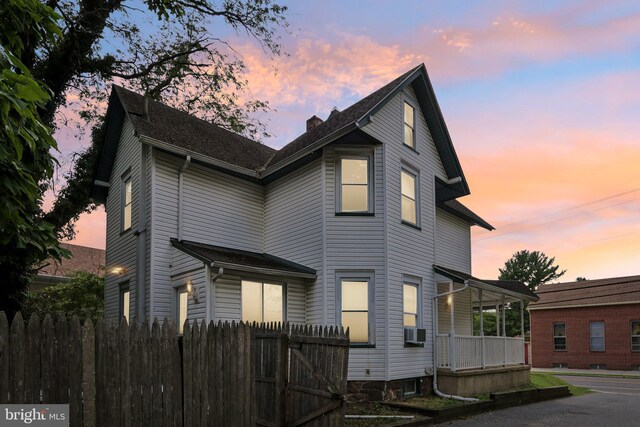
(251, 262)
(512, 288)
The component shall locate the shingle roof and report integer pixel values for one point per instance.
(509, 285)
(190, 133)
(616, 290)
(458, 209)
(83, 258)
(227, 257)
(338, 120)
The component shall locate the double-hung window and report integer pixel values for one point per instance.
(409, 126)
(125, 294)
(410, 306)
(182, 307)
(355, 310)
(559, 337)
(126, 201)
(354, 184)
(596, 336)
(409, 188)
(262, 302)
(635, 335)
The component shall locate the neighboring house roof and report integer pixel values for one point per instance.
(83, 258)
(511, 286)
(456, 208)
(234, 259)
(183, 134)
(612, 291)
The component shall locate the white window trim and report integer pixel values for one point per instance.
(633, 336)
(123, 288)
(566, 344)
(358, 275)
(409, 101)
(283, 285)
(126, 176)
(416, 173)
(417, 282)
(177, 291)
(604, 341)
(361, 154)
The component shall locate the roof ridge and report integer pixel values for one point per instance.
(576, 285)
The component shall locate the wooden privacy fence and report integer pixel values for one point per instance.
(148, 375)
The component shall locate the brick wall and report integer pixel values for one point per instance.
(617, 354)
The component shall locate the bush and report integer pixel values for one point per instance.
(82, 296)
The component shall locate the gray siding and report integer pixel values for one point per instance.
(121, 247)
(453, 240)
(462, 312)
(410, 251)
(196, 310)
(356, 244)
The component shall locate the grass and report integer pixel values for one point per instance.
(435, 402)
(373, 408)
(542, 380)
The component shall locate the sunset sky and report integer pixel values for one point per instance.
(542, 101)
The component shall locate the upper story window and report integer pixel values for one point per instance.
(182, 307)
(559, 337)
(354, 191)
(409, 184)
(596, 336)
(355, 307)
(409, 126)
(635, 335)
(410, 305)
(126, 201)
(262, 302)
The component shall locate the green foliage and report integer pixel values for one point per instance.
(581, 279)
(531, 268)
(25, 145)
(83, 296)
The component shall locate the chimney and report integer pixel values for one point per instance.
(334, 111)
(313, 122)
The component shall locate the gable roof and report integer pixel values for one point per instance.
(179, 132)
(511, 286)
(611, 291)
(456, 208)
(235, 259)
(83, 258)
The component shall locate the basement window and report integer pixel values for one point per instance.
(410, 387)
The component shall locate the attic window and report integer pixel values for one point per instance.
(409, 126)
(126, 201)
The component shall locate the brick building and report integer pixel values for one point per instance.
(591, 324)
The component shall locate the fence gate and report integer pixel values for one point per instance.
(317, 381)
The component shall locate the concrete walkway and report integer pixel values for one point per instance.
(595, 372)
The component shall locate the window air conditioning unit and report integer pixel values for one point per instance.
(415, 335)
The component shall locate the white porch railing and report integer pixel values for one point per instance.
(469, 352)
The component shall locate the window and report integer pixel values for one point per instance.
(355, 308)
(409, 197)
(635, 335)
(559, 337)
(596, 336)
(182, 307)
(126, 202)
(354, 191)
(124, 301)
(262, 302)
(410, 306)
(409, 126)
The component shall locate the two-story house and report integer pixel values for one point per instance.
(353, 223)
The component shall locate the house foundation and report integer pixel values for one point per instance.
(382, 391)
(476, 381)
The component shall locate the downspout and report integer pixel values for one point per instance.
(180, 191)
(435, 343)
(141, 240)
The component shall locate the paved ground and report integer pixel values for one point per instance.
(595, 372)
(617, 404)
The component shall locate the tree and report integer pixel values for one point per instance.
(581, 279)
(162, 48)
(82, 296)
(531, 268)
(26, 143)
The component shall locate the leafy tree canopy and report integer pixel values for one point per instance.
(532, 268)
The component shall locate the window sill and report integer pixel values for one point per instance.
(355, 214)
(356, 345)
(413, 344)
(410, 148)
(408, 224)
(128, 230)
(559, 351)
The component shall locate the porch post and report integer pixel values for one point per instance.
(504, 334)
(497, 320)
(452, 330)
(481, 327)
(524, 347)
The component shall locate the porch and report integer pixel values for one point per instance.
(467, 351)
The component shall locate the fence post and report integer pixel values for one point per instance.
(88, 375)
(282, 347)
